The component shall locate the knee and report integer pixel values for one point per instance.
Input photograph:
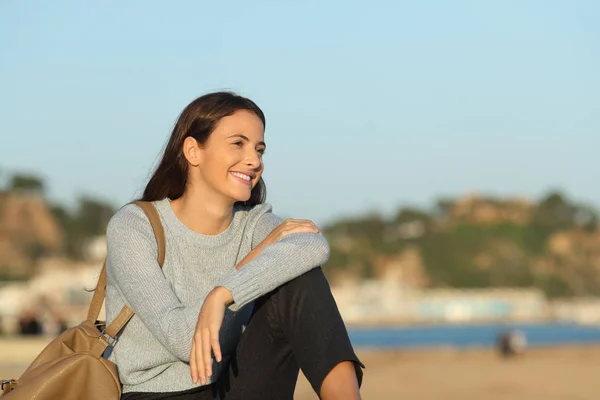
(311, 280)
(311, 287)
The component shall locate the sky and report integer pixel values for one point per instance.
(370, 106)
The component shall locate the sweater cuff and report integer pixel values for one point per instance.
(243, 288)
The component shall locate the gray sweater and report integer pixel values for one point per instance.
(153, 351)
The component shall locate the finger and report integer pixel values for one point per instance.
(300, 229)
(303, 222)
(206, 352)
(314, 227)
(290, 226)
(296, 221)
(193, 367)
(214, 342)
(199, 360)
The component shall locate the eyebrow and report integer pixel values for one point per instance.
(245, 138)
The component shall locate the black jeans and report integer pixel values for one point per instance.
(298, 325)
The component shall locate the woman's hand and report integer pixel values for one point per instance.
(206, 336)
(287, 227)
(290, 226)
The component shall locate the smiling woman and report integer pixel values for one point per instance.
(213, 116)
(241, 303)
(221, 158)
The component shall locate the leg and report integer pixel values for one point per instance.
(314, 328)
(263, 366)
(296, 326)
(341, 383)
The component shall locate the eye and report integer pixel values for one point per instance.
(238, 143)
(261, 151)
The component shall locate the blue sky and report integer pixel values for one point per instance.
(369, 105)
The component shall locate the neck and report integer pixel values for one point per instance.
(203, 213)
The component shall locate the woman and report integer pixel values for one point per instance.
(240, 303)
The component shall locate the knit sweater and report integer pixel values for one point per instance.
(152, 352)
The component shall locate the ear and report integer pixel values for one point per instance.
(192, 151)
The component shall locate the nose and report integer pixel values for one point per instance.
(253, 160)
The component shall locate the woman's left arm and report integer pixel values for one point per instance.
(282, 251)
(272, 263)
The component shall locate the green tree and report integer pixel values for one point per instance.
(27, 182)
(92, 216)
(586, 217)
(412, 214)
(554, 212)
(89, 219)
(443, 206)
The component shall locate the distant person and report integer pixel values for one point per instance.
(230, 262)
(511, 343)
(29, 324)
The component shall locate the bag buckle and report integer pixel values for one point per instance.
(111, 342)
(5, 383)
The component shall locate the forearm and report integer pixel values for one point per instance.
(255, 252)
(175, 329)
(275, 265)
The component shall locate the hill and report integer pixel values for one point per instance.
(28, 231)
(475, 241)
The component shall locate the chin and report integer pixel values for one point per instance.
(240, 197)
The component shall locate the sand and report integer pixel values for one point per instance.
(565, 373)
(545, 374)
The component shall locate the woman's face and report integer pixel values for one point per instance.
(230, 162)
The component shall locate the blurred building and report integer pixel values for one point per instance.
(385, 302)
(57, 296)
(579, 310)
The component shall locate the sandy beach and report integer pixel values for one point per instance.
(442, 374)
(544, 374)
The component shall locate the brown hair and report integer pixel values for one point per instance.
(198, 120)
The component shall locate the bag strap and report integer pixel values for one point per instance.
(159, 232)
(100, 293)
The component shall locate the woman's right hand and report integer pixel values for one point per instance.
(288, 227)
(206, 336)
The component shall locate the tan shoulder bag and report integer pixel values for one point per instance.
(71, 367)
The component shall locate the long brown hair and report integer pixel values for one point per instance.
(198, 120)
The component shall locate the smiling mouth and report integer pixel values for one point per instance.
(247, 179)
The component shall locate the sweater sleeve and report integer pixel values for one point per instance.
(278, 263)
(133, 268)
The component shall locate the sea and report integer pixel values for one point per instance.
(472, 336)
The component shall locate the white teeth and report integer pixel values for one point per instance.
(246, 177)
